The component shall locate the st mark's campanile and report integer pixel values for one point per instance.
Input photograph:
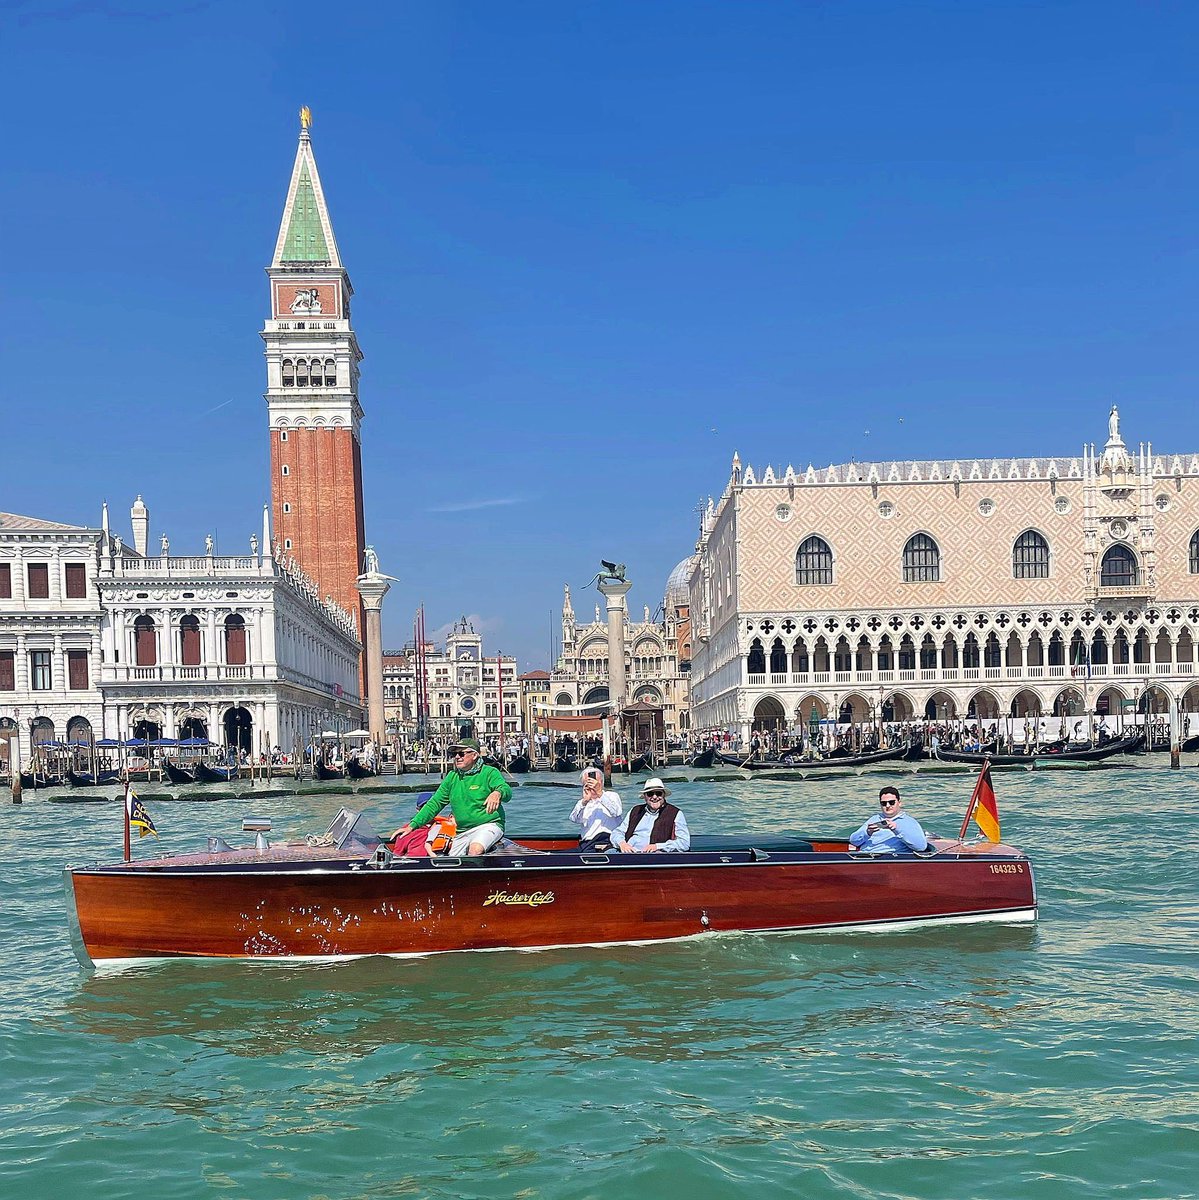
(312, 359)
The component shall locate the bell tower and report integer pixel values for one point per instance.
(312, 359)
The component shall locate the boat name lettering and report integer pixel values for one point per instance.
(532, 899)
(1007, 869)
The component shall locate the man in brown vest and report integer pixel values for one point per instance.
(655, 825)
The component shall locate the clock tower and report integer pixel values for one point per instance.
(312, 359)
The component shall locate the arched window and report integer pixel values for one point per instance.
(921, 560)
(778, 657)
(1195, 553)
(302, 372)
(330, 373)
(814, 561)
(189, 641)
(289, 373)
(1030, 556)
(145, 648)
(235, 641)
(1119, 567)
(757, 658)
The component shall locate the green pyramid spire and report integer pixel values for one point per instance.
(305, 240)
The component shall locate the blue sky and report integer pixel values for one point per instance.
(595, 247)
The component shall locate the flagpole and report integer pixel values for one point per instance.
(128, 853)
(973, 799)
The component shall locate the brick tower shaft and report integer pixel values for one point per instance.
(312, 358)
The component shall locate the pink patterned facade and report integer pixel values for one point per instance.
(941, 589)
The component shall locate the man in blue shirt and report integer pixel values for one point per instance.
(891, 830)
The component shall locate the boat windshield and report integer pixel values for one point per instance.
(352, 831)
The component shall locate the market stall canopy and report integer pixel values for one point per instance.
(583, 723)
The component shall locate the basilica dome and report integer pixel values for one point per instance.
(677, 589)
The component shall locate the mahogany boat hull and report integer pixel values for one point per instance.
(249, 905)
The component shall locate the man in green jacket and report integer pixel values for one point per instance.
(475, 793)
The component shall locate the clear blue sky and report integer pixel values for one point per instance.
(596, 247)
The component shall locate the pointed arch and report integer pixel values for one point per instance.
(814, 562)
(921, 560)
(1030, 556)
(1119, 567)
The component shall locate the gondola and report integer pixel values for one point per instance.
(520, 764)
(209, 774)
(30, 779)
(1187, 745)
(641, 762)
(705, 758)
(562, 763)
(177, 774)
(327, 771)
(87, 779)
(359, 770)
(789, 763)
(1128, 745)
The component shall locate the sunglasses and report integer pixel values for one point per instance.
(462, 753)
(654, 795)
(888, 803)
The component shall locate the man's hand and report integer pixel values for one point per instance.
(492, 802)
(403, 829)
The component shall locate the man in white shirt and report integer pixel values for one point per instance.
(598, 812)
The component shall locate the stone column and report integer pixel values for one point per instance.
(614, 593)
(372, 587)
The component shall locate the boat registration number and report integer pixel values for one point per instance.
(1007, 868)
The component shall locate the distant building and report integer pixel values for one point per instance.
(100, 638)
(534, 695)
(461, 686)
(949, 589)
(657, 657)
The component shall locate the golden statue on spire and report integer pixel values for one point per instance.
(305, 117)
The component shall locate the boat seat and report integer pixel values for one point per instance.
(506, 847)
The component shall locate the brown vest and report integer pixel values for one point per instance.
(663, 829)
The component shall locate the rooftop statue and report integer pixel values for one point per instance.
(609, 572)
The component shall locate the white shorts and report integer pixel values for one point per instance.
(486, 835)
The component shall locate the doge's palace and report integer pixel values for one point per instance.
(945, 589)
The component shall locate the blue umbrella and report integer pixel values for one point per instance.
(164, 742)
(107, 743)
(195, 742)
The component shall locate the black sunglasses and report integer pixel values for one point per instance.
(888, 803)
(654, 795)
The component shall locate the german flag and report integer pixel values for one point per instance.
(982, 807)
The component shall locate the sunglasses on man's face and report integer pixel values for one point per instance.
(888, 803)
(654, 795)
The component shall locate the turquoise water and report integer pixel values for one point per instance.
(1060, 1060)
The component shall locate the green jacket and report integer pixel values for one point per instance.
(465, 795)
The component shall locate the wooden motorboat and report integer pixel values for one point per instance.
(798, 764)
(327, 771)
(705, 758)
(1039, 759)
(356, 769)
(207, 773)
(177, 773)
(348, 895)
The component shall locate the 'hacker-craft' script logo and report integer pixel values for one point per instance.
(532, 899)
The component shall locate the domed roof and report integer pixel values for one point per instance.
(678, 590)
